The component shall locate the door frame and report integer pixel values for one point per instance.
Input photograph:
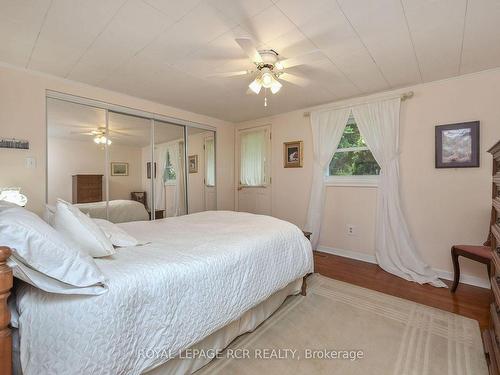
(268, 164)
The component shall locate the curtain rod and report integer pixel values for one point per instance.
(404, 96)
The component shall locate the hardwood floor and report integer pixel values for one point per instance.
(469, 301)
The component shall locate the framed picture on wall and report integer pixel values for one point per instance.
(457, 145)
(119, 169)
(292, 154)
(193, 164)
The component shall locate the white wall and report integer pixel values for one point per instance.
(23, 116)
(443, 206)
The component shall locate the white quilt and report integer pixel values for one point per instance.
(199, 273)
(120, 210)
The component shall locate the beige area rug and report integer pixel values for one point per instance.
(395, 336)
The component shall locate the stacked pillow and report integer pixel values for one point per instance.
(44, 258)
(81, 231)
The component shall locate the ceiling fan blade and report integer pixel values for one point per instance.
(296, 80)
(302, 59)
(248, 46)
(119, 132)
(231, 74)
(82, 133)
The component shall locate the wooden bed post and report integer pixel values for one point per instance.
(6, 281)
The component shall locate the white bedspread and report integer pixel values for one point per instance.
(199, 273)
(120, 210)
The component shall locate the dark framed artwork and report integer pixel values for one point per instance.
(292, 154)
(457, 145)
(148, 169)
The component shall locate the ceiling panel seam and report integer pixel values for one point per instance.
(411, 41)
(364, 45)
(316, 46)
(95, 39)
(38, 35)
(463, 37)
(126, 61)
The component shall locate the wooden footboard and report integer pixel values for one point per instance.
(6, 281)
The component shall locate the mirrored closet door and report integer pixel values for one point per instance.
(126, 167)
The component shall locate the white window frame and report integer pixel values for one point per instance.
(355, 181)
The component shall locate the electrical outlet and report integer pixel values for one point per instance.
(351, 230)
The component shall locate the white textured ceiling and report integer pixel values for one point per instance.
(165, 50)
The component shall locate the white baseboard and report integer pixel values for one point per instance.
(369, 258)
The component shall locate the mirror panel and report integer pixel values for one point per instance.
(128, 187)
(202, 193)
(75, 161)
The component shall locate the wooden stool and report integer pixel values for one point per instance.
(480, 254)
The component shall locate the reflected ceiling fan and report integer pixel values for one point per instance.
(99, 134)
(270, 69)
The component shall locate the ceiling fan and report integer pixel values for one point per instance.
(99, 134)
(270, 68)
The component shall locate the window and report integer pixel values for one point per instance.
(353, 163)
(169, 175)
(254, 146)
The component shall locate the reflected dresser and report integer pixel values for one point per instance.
(87, 188)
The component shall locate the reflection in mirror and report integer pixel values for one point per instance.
(76, 141)
(169, 179)
(202, 194)
(128, 192)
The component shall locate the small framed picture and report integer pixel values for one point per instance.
(457, 145)
(193, 163)
(119, 169)
(292, 154)
(148, 169)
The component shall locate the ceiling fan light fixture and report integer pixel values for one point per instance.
(102, 140)
(276, 86)
(279, 65)
(255, 86)
(267, 79)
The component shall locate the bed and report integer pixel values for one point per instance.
(120, 210)
(199, 280)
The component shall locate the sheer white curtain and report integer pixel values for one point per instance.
(395, 250)
(253, 157)
(327, 128)
(210, 166)
(159, 185)
(176, 151)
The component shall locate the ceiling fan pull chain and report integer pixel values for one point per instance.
(265, 96)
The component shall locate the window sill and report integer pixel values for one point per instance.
(354, 181)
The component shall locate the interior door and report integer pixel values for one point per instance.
(254, 170)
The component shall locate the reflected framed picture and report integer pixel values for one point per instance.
(457, 145)
(119, 169)
(292, 154)
(193, 163)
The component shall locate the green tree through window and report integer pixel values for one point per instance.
(353, 158)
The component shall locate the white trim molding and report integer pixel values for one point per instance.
(370, 258)
(355, 181)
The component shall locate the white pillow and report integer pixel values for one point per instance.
(79, 230)
(39, 250)
(48, 214)
(116, 235)
(5, 205)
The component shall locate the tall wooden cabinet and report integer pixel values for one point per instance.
(491, 336)
(87, 188)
